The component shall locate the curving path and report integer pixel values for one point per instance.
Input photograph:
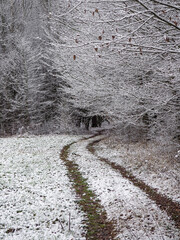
(172, 208)
(117, 205)
(97, 224)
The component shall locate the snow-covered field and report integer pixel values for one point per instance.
(136, 215)
(37, 199)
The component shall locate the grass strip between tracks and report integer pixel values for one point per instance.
(98, 226)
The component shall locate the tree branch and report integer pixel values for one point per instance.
(157, 16)
(166, 4)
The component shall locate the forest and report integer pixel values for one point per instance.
(69, 64)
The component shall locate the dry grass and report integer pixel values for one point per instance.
(151, 155)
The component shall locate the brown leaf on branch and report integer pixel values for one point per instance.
(100, 38)
(96, 10)
(167, 39)
(130, 39)
(113, 37)
(96, 49)
(74, 57)
(140, 49)
(76, 40)
(175, 23)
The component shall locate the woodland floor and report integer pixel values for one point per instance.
(86, 187)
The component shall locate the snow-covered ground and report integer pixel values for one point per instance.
(147, 162)
(37, 199)
(137, 216)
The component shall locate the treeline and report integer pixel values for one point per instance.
(30, 84)
(66, 64)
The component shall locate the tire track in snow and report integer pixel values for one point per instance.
(98, 226)
(164, 203)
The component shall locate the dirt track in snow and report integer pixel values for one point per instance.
(97, 224)
(162, 203)
(172, 208)
(38, 194)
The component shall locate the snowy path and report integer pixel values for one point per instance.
(97, 225)
(36, 195)
(137, 216)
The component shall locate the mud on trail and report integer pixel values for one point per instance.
(97, 224)
(92, 189)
